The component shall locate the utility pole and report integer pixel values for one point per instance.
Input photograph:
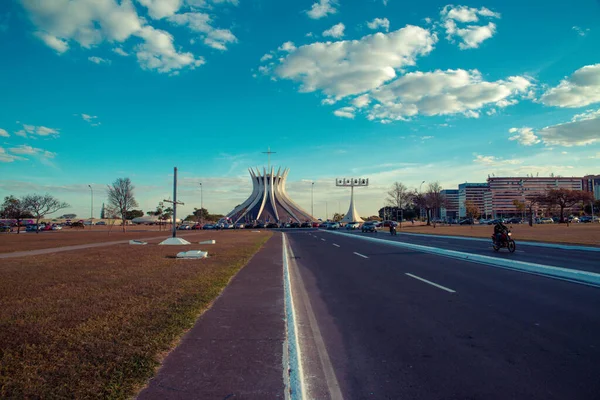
(91, 207)
(201, 206)
(174, 202)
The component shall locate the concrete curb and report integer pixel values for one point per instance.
(585, 277)
(293, 375)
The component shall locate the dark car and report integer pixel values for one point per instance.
(306, 225)
(249, 225)
(272, 225)
(323, 225)
(368, 227)
(295, 225)
(5, 228)
(466, 221)
(260, 225)
(208, 226)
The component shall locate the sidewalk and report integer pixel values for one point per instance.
(235, 349)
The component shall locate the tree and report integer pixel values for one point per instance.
(134, 214)
(68, 216)
(121, 198)
(472, 210)
(566, 198)
(399, 197)
(102, 212)
(588, 207)
(42, 205)
(519, 205)
(434, 199)
(201, 214)
(13, 208)
(337, 217)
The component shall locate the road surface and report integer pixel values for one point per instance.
(381, 322)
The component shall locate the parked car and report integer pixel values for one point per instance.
(352, 225)
(466, 221)
(208, 226)
(546, 221)
(295, 225)
(249, 225)
(271, 225)
(333, 226)
(306, 225)
(56, 227)
(87, 223)
(100, 223)
(239, 225)
(515, 220)
(323, 225)
(369, 226)
(573, 219)
(5, 228)
(260, 225)
(32, 228)
(197, 226)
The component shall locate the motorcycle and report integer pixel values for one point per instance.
(506, 240)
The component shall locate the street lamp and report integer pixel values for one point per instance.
(201, 205)
(91, 207)
(312, 200)
(421, 205)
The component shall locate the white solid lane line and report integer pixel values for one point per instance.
(431, 283)
(322, 239)
(336, 245)
(360, 255)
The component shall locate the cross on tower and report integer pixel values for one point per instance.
(268, 153)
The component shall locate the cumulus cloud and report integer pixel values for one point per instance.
(7, 158)
(158, 9)
(266, 57)
(43, 156)
(361, 101)
(583, 129)
(287, 46)
(379, 23)
(524, 136)
(98, 60)
(345, 112)
(120, 51)
(322, 8)
(348, 67)
(157, 52)
(582, 88)
(89, 23)
(33, 130)
(3, 133)
(201, 22)
(443, 93)
(492, 161)
(470, 36)
(336, 31)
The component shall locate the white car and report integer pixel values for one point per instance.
(353, 225)
(56, 227)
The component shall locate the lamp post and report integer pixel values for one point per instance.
(201, 206)
(326, 213)
(312, 200)
(91, 207)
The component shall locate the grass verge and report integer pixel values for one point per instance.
(96, 323)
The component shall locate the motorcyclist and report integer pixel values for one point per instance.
(499, 230)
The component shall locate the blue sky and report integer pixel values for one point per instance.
(93, 90)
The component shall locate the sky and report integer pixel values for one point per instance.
(95, 90)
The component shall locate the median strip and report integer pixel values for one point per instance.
(571, 275)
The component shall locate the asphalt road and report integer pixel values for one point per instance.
(577, 259)
(481, 333)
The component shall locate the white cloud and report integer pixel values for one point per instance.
(3, 133)
(6, 157)
(266, 57)
(21, 133)
(379, 23)
(581, 31)
(98, 60)
(322, 9)
(525, 136)
(32, 151)
(158, 9)
(336, 31)
(120, 51)
(157, 52)
(44, 131)
(443, 93)
(579, 90)
(90, 119)
(348, 67)
(493, 161)
(287, 46)
(471, 36)
(53, 42)
(583, 129)
(345, 112)
(361, 101)
(37, 130)
(92, 22)
(328, 101)
(201, 22)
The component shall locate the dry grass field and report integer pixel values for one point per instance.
(586, 234)
(95, 323)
